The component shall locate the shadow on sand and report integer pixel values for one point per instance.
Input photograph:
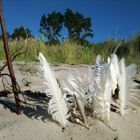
(36, 106)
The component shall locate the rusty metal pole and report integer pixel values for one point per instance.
(9, 61)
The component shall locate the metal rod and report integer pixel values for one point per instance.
(9, 61)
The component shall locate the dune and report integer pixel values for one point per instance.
(34, 123)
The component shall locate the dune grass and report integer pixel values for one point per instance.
(70, 52)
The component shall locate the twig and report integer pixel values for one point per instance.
(105, 124)
(14, 56)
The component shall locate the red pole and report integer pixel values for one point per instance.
(9, 61)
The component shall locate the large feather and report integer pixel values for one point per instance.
(122, 87)
(115, 71)
(75, 87)
(103, 85)
(57, 105)
(125, 78)
(107, 77)
(107, 94)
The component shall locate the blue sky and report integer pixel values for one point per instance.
(110, 18)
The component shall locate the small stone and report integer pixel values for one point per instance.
(63, 129)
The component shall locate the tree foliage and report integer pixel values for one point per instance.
(21, 32)
(78, 27)
(51, 26)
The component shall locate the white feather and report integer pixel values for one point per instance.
(57, 105)
(125, 78)
(115, 71)
(107, 94)
(99, 60)
(75, 85)
(122, 87)
(103, 84)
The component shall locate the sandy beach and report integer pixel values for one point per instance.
(35, 123)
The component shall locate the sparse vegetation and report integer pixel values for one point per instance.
(71, 53)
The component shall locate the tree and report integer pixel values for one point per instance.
(21, 32)
(79, 28)
(51, 26)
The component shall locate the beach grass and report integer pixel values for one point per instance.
(70, 52)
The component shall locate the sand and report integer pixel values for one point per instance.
(35, 123)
